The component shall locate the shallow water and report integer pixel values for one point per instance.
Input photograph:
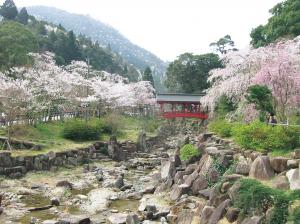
(125, 205)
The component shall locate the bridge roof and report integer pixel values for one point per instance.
(178, 98)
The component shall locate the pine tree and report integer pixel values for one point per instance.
(23, 16)
(9, 10)
(147, 76)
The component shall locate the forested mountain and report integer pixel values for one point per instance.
(21, 33)
(104, 34)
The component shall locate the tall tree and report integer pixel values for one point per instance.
(189, 73)
(23, 16)
(147, 75)
(284, 23)
(9, 10)
(224, 45)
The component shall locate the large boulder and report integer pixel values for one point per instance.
(294, 179)
(185, 216)
(178, 191)
(261, 168)
(206, 214)
(293, 164)
(232, 214)
(189, 180)
(281, 182)
(199, 184)
(219, 212)
(141, 143)
(279, 164)
(168, 169)
(132, 219)
(114, 150)
(242, 167)
(297, 153)
(65, 184)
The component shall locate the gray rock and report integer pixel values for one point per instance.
(65, 184)
(293, 164)
(189, 180)
(55, 201)
(297, 153)
(117, 218)
(168, 169)
(281, 182)
(132, 219)
(185, 216)
(261, 168)
(213, 175)
(50, 222)
(205, 193)
(232, 214)
(242, 168)
(141, 143)
(179, 190)
(199, 184)
(294, 179)
(219, 212)
(279, 164)
(119, 183)
(206, 213)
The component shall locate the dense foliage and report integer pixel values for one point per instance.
(16, 41)
(285, 22)
(147, 75)
(261, 97)
(221, 127)
(9, 10)
(188, 151)
(275, 66)
(258, 136)
(224, 106)
(79, 130)
(254, 198)
(189, 73)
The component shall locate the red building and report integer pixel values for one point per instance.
(181, 105)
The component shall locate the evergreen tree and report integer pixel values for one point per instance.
(147, 75)
(224, 45)
(23, 16)
(9, 10)
(72, 48)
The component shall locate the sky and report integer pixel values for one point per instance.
(169, 28)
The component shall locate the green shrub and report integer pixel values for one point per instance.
(188, 151)
(224, 106)
(112, 123)
(254, 198)
(295, 216)
(261, 137)
(221, 127)
(79, 130)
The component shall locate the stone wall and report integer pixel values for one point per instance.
(15, 167)
(18, 166)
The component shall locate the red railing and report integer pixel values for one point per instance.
(174, 114)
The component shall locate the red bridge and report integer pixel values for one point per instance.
(181, 105)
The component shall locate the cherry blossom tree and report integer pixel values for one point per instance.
(276, 66)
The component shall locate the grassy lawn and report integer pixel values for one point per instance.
(50, 134)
